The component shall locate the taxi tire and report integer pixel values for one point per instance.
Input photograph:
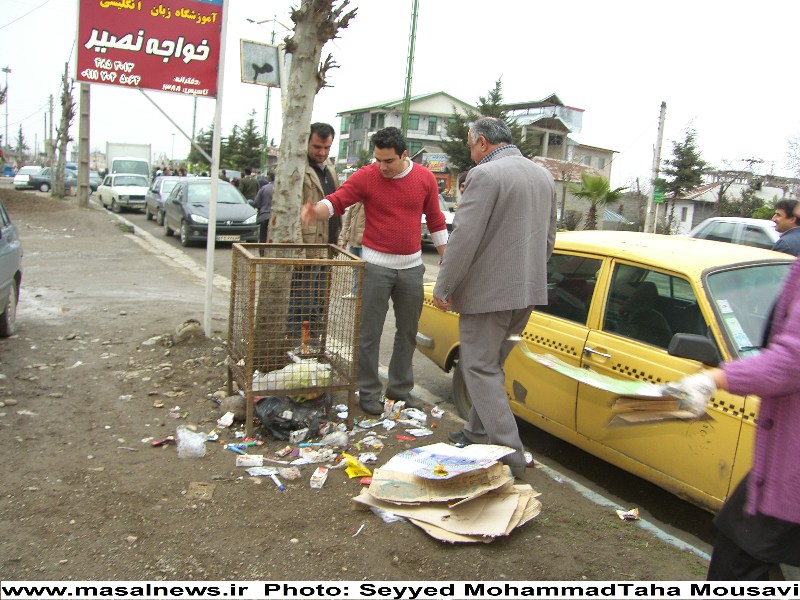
(461, 397)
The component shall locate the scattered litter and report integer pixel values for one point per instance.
(365, 480)
(405, 438)
(628, 515)
(389, 424)
(261, 471)
(437, 412)
(170, 439)
(386, 515)
(366, 457)
(369, 423)
(319, 477)
(290, 473)
(250, 460)
(359, 530)
(77, 364)
(337, 439)
(277, 482)
(27, 413)
(419, 432)
(190, 444)
(225, 420)
(355, 468)
(414, 414)
(201, 490)
(284, 451)
(125, 397)
(298, 435)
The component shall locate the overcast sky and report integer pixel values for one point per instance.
(725, 69)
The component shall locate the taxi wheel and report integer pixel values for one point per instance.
(461, 396)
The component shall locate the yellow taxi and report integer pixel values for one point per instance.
(644, 307)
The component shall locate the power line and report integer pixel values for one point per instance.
(25, 15)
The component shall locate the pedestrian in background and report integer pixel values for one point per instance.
(263, 204)
(494, 273)
(248, 184)
(395, 193)
(788, 225)
(758, 527)
(352, 235)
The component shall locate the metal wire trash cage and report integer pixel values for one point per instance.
(294, 322)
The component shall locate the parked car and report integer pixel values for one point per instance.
(760, 233)
(10, 273)
(22, 180)
(154, 199)
(186, 211)
(123, 191)
(637, 307)
(8, 170)
(449, 215)
(42, 180)
(95, 179)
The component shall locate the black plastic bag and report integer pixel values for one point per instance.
(280, 415)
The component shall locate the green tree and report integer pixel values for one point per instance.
(748, 204)
(204, 139)
(683, 172)
(248, 151)
(455, 142)
(229, 150)
(597, 190)
(21, 146)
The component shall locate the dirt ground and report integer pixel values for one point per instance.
(90, 379)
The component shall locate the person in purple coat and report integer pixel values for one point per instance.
(759, 525)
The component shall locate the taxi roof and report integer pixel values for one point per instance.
(669, 252)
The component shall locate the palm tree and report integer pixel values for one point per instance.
(597, 190)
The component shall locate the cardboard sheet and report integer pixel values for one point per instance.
(411, 489)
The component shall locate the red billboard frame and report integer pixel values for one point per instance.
(164, 45)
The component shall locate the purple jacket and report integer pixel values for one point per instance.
(774, 485)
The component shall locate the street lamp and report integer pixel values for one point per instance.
(265, 140)
(6, 70)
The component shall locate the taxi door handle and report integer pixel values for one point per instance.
(589, 351)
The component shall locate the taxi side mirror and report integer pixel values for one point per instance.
(695, 347)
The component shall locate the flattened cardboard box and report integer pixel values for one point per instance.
(405, 488)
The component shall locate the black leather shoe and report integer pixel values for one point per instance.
(410, 401)
(458, 438)
(371, 406)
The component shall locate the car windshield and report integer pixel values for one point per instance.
(131, 180)
(168, 185)
(226, 194)
(744, 298)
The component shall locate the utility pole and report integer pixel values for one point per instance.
(51, 147)
(650, 224)
(410, 68)
(265, 143)
(7, 70)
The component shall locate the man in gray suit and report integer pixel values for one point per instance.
(494, 272)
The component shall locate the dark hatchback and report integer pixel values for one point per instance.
(156, 195)
(186, 211)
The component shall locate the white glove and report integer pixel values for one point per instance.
(693, 391)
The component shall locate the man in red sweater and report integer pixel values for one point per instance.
(395, 193)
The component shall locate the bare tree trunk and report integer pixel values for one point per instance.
(62, 133)
(316, 22)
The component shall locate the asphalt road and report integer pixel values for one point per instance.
(674, 516)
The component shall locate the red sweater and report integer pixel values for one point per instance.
(392, 207)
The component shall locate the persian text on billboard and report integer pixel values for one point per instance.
(166, 45)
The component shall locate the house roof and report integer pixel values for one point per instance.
(563, 170)
(398, 103)
(551, 100)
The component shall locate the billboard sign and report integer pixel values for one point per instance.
(164, 45)
(260, 64)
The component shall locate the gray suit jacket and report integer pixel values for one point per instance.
(503, 234)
